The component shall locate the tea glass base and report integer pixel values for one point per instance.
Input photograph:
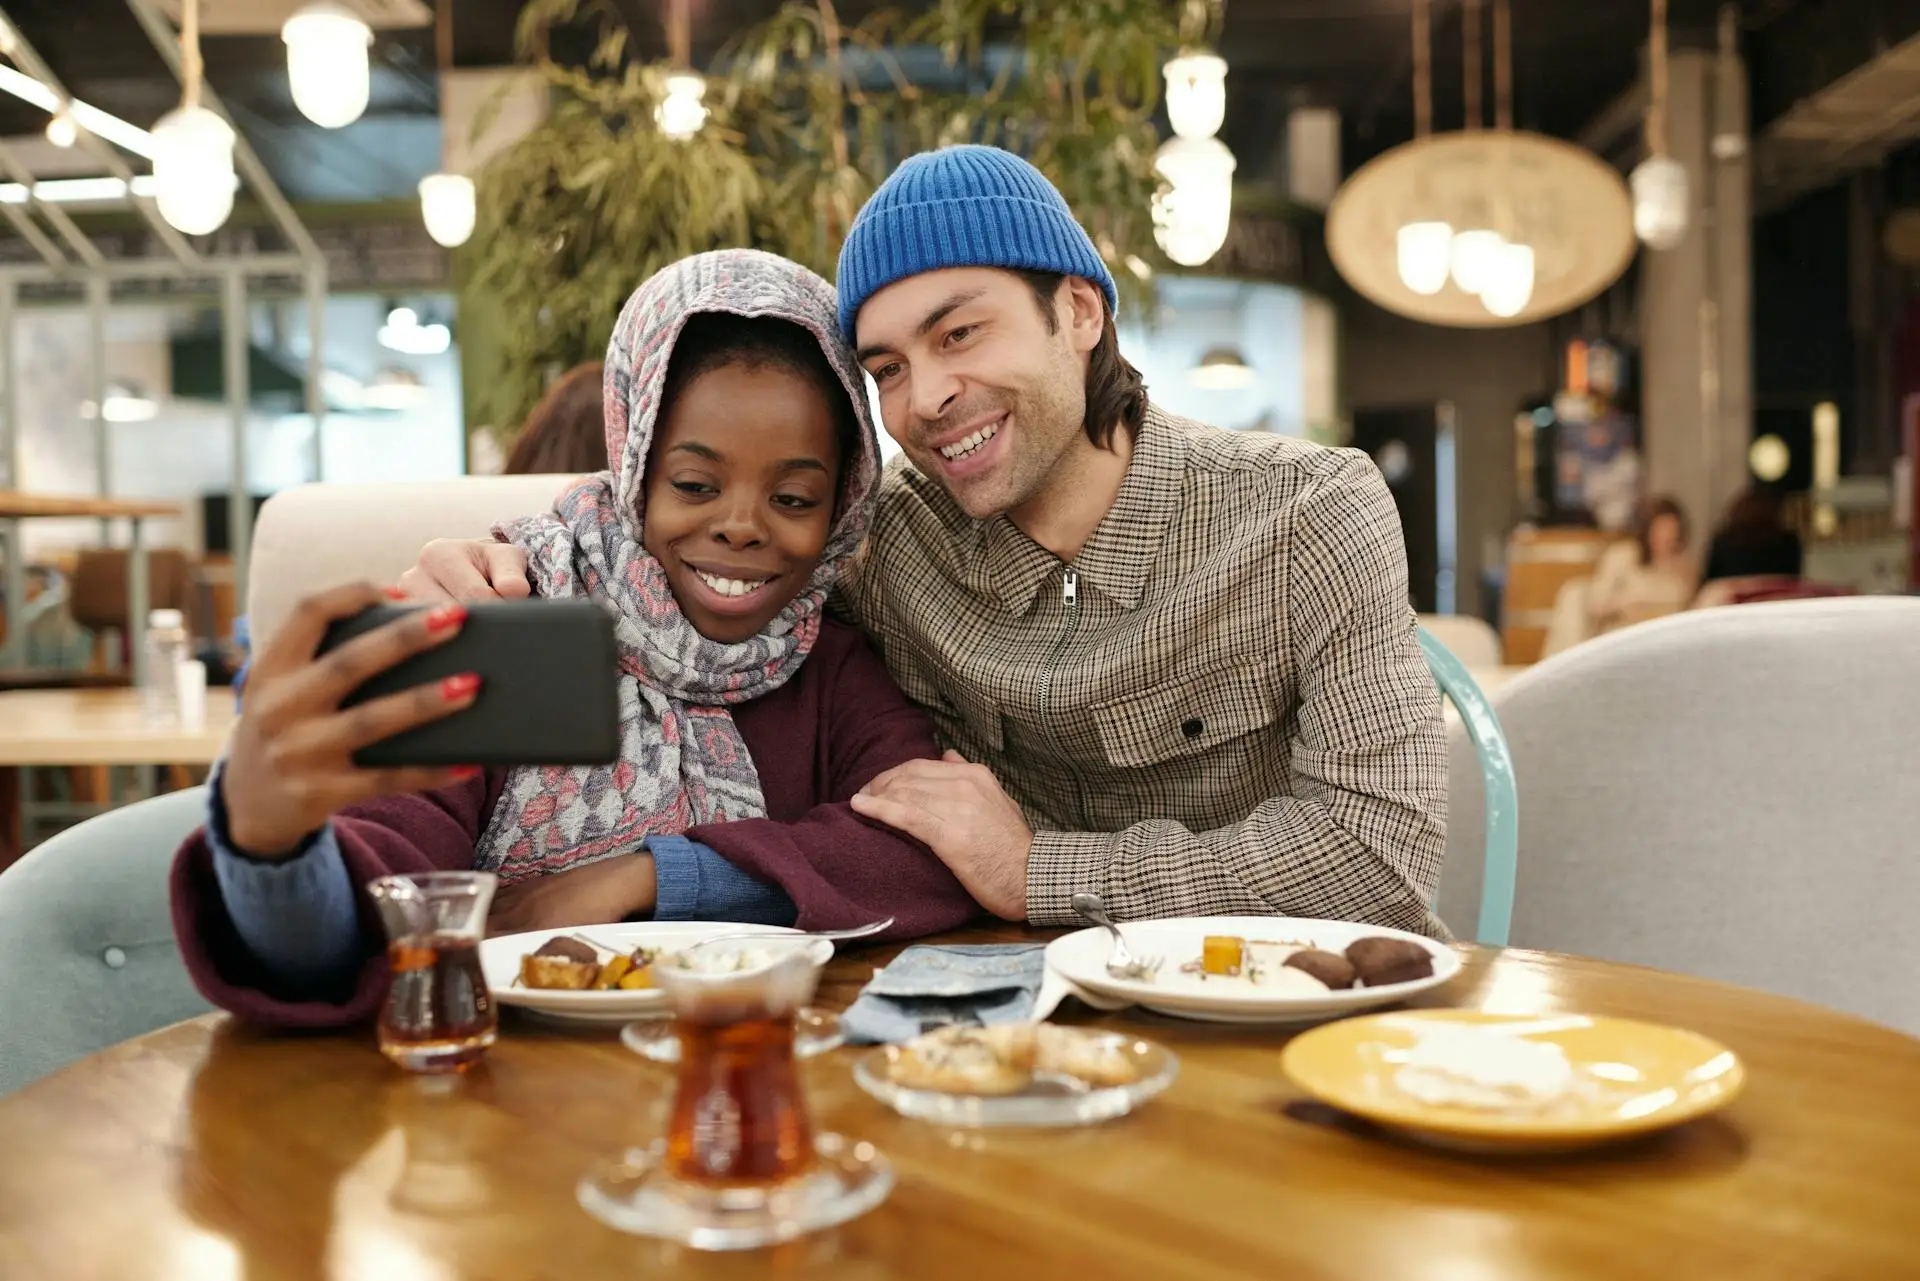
(439, 1056)
(634, 1193)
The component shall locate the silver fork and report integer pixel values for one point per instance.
(1121, 962)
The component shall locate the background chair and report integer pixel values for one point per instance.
(1469, 639)
(95, 599)
(1723, 792)
(86, 939)
(316, 536)
(1500, 854)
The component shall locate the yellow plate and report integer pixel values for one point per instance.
(1631, 1078)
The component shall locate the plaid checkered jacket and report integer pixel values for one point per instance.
(1219, 707)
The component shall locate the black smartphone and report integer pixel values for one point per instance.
(548, 695)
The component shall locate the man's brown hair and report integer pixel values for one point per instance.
(1116, 393)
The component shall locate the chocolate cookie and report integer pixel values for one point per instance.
(1381, 961)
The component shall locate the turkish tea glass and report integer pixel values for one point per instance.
(741, 1164)
(439, 1015)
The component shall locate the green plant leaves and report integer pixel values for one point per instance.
(808, 115)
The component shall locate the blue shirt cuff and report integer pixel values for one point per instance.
(692, 882)
(296, 915)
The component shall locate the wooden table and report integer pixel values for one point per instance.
(16, 507)
(61, 727)
(207, 1152)
(104, 727)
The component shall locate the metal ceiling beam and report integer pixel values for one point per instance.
(163, 269)
(28, 59)
(29, 230)
(1802, 50)
(1849, 125)
(84, 248)
(245, 159)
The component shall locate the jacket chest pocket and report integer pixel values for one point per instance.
(1185, 718)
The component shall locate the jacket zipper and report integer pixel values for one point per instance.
(1070, 594)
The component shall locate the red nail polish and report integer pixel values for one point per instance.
(446, 616)
(394, 592)
(462, 686)
(466, 771)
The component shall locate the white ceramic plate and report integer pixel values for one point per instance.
(500, 960)
(1081, 958)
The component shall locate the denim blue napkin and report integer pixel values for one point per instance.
(932, 985)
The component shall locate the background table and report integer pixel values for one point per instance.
(105, 727)
(210, 1153)
(91, 727)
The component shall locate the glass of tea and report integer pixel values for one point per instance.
(741, 1164)
(439, 1015)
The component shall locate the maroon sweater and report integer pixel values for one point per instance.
(815, 741)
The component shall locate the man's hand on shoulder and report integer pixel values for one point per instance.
(466, 569)
(959, 811)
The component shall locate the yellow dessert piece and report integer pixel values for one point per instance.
(612, 972)
(1222, 954)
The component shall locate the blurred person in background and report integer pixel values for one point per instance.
(1751, 550)
(567, 430)
(1648, 577)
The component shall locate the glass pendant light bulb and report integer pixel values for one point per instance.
(193, 169)
(327, 65)
(1425, 256)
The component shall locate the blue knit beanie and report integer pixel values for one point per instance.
(967, 206)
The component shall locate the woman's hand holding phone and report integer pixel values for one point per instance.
(290, 763)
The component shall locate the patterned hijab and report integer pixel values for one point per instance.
(682, 760)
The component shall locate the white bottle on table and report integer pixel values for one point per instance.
(167, 647)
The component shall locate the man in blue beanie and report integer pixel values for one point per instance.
(1177, 664)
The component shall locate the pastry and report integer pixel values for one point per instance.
(966, 1060)
(562, 963)
(1098, 1060)
(557, 972)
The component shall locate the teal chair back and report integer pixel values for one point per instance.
(87, 953)
(1503, 797)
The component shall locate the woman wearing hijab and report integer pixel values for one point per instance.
(742, 468)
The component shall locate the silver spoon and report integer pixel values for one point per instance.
(1121, 962)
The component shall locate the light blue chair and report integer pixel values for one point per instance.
(87, 954)
(1503, 797)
